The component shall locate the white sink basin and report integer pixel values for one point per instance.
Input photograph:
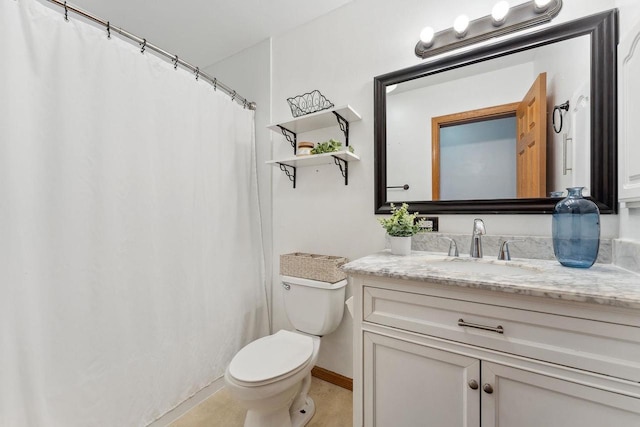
(481, 266)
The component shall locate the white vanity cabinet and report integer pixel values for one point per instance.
(412, 384)
(439, 355)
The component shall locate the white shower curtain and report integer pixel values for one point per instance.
(131, 262)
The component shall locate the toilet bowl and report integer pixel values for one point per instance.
(267, 376)
(271, 376)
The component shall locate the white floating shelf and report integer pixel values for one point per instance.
(315, 159)
(319, 120)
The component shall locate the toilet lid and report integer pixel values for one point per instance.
(271, 356)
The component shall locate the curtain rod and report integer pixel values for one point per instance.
(146, 45)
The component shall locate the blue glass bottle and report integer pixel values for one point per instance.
(576, 230)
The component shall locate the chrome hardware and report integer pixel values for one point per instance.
(498, 329)
(488, 388)
(565, 140)
(476, 238)
(503, 253)
(286, 286)
(453, 248)
(473, 384)
(564, 106)
(404, 187)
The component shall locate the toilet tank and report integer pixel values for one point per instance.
(313, 307)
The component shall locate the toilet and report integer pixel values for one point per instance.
(271, 376)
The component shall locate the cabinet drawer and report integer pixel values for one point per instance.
(595, 346)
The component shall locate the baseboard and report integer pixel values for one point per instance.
(332, 377)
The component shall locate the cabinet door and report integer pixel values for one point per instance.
(411, 385)
(520, 398)
(629, 149)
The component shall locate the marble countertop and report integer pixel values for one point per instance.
(601, 284)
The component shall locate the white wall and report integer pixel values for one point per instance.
(568, 67)
(629, 18)
(339, 54)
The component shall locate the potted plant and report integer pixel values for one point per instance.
(329, 146)
(400, 227)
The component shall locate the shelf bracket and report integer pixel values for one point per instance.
(344, 168)
(290, 174)
(344, 127)
(290, 136)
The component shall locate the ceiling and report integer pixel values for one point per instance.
(204, 32)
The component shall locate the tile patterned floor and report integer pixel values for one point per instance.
(334, 408)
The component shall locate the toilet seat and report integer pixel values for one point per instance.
(271, 358)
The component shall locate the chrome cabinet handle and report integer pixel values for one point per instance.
(498, 329)
(473, 384)
(487, 388)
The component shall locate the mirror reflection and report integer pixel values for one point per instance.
(484, 131)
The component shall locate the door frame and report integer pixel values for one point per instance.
(463, 117)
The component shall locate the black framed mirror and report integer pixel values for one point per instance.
(600, 33)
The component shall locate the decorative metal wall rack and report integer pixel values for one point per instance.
(322, 119)
(308, 103)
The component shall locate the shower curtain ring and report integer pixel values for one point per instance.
(233, 96)
(175, 63)
(108, 29)
(144, 45)
(66, 12)
(197, 72)
(244, 104)
(215, 83)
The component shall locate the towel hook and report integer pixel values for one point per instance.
(144, 45)
(559, 108)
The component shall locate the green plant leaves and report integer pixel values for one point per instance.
(327, 147)
(401, 223)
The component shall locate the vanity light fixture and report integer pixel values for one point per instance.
(426, 36)
(503, 20)
(461, 25)
(499, 13)
(541, 5)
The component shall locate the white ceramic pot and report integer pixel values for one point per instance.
(400, 245)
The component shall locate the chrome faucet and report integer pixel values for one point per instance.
(476, 238)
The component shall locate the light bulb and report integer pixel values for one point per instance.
(426, 36)
(460, 25)
(499, 13)
(541, 5)
(391, 88)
